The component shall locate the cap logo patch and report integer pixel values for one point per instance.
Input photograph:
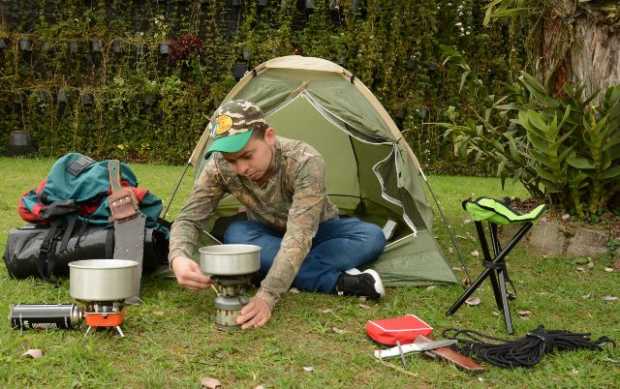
(224, 123)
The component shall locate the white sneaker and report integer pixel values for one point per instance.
(354, 282)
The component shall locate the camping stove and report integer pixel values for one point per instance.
(231, 267)
(108, 314)
(101, 286)
(231, 297)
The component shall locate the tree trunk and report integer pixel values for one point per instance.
(581, 44)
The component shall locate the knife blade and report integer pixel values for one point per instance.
(413, 347)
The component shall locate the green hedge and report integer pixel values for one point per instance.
(94, 79)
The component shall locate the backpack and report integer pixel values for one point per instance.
(69, 218)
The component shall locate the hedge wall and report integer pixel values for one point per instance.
(137, 79)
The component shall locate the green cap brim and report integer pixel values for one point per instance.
(230, 144)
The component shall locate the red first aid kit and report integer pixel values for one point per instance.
(402, 329)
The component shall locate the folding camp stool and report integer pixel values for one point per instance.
(495, 212)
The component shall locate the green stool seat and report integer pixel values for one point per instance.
(495, 212)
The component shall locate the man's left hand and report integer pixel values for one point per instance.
(255, 314)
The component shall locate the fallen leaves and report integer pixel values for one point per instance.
(308, 369)
(609, 298)
(210, 383)
(525, 314)
(473, 301)
(339, 331)
(33, 353)
(584, 264)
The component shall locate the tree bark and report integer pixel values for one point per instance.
(596, 60)
(580, 44)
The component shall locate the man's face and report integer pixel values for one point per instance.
(254, 160)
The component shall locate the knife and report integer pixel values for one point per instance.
(412, 347)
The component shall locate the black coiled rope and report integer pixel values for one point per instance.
(522, 352)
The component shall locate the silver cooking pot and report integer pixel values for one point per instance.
(103, 279)
(230, 259)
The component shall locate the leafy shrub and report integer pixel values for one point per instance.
(565, 149)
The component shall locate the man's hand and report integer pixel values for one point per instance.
(255, 314)
(188, 274)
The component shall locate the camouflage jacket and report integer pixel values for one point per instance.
(293, 200)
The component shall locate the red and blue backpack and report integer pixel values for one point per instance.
(69, 219)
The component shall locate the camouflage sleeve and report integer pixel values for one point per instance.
(205, 195)
(301, 227)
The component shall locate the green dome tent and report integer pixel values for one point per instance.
(372, 171)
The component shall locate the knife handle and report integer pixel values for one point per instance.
(450, 355)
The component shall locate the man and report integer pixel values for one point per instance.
(281, 184)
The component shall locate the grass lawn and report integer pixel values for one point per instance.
(171, 340)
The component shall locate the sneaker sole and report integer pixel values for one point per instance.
(378, 282)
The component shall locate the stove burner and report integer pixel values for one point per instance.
(108, 314)
(231, 297)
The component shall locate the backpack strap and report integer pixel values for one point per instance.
(129, 223)
(47, 253)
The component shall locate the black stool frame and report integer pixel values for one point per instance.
(495, 268)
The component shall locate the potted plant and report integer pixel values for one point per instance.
(247, 54)
(239, 69)
(117, 46)
(20, 143)
(86, 99)
(164, 48)
(61, 96)
(140, 49)
(73, 46)
(25, 44)
(96, 45)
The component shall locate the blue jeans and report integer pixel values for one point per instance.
(339, 245)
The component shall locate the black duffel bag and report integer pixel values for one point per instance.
(45, 251)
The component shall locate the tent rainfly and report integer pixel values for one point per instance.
(372, 172)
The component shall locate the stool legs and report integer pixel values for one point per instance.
(494, 268)
(501, 275)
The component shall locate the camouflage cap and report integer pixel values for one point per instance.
(233, 125)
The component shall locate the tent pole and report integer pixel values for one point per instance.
(450, 232)
(187, 165)
(176, 188)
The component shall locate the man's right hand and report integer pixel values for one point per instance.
(188, 274)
